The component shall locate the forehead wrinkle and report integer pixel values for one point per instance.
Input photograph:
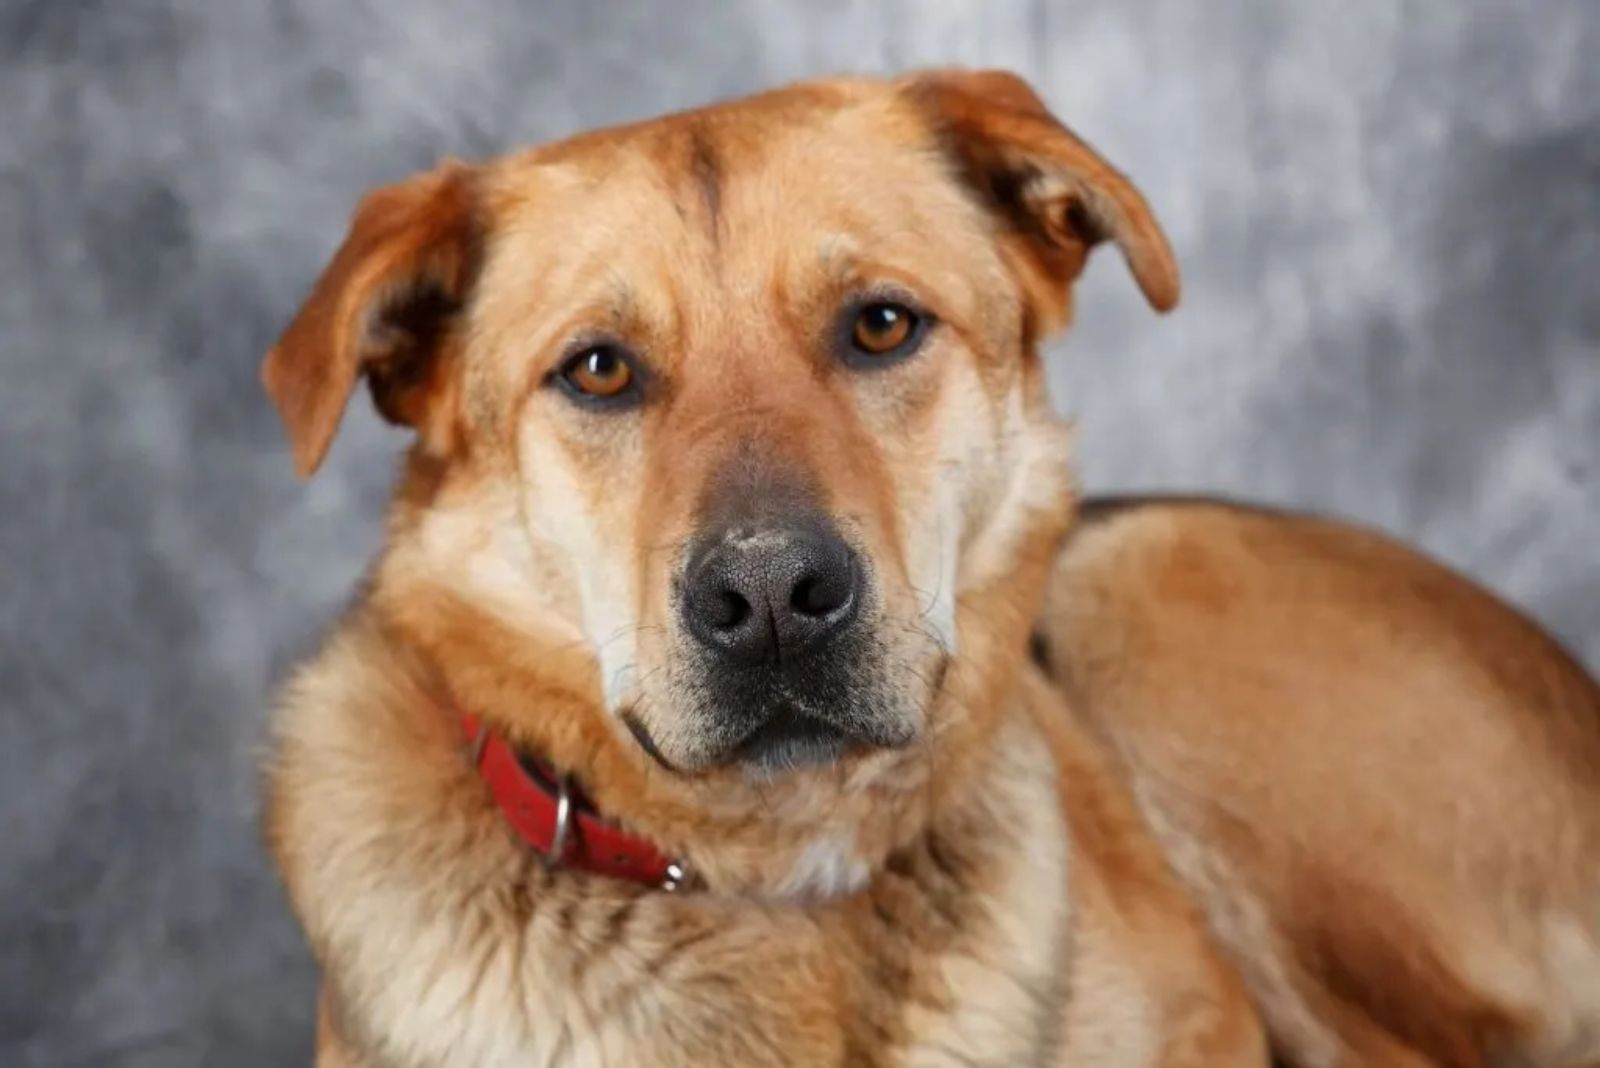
(620, 305)
(705, 170)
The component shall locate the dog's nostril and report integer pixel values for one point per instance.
(802, 597)
(819, 594)
(812, 597)
(727, 610)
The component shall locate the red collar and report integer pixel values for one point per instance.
(557, 820)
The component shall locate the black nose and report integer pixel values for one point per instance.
(769, 596)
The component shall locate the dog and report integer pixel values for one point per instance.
(734, 686)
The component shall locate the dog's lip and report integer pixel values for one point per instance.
(790, 739)
(641, 734)
(784, 740)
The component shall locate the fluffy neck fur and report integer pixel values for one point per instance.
(443, 939)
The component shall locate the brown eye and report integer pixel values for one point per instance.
(602, 372)
(882, 327)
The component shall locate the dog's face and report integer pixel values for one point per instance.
(742, 402)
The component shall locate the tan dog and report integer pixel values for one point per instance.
(735, 497)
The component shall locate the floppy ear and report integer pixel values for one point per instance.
(1058, 196)
(384, 306)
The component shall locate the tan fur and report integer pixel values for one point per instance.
(1382, 784)
(984, 886)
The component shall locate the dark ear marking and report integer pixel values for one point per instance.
(384, 307)
(1046, 184)
(401, 339)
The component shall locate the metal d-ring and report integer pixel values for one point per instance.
(480, 738)
(563, 832)
(677, 875)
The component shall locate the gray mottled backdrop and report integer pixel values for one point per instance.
(1389, 215)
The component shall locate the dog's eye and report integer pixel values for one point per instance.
(874, 333)
(603, 373)
(882, 327)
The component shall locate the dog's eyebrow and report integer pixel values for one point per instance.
(620, 303)
(838, 252)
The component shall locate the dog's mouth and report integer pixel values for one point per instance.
(788, 738)
(791, 739)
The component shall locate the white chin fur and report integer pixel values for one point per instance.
(826, 868)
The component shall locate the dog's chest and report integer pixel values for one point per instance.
(957, 953)
(446, 944)
(989, 976)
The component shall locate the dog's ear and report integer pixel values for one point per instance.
(384, 307)
(1055, 195)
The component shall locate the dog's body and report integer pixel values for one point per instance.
(1383, 784)
(737, 497)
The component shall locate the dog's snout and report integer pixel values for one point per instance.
(767, 596)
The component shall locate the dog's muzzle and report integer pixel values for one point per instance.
(777, 611)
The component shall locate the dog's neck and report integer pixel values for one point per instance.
(812, 834)
(379, 825)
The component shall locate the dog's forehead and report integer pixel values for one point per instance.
(839, 108)
(809, 176)
(710, 234)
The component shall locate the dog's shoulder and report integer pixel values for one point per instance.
(1135, 929)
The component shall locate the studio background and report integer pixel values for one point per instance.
(1388, 216)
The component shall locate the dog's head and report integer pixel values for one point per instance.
(741, 407)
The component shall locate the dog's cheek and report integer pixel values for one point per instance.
(952, 505)
(580, 536)
(1023, 509)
